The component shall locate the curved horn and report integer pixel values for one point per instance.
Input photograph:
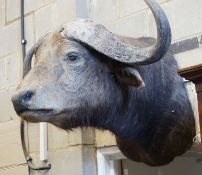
(28, 59)
(98, 37)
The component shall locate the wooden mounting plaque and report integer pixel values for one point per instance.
(194, 74)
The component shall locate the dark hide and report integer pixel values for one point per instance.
(152, 124)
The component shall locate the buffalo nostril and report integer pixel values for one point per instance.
(21, 101)
(27, 96)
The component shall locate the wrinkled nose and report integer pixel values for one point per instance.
(21, 101)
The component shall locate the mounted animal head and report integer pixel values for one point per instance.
(82, 72)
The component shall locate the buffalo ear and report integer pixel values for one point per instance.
(130, 76)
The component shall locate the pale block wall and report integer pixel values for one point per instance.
(12, 159)
(133, 18)
(73, 152)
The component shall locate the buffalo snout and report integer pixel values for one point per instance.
(21, 100)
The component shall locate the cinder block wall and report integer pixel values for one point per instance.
(69, 153)
(75, 152)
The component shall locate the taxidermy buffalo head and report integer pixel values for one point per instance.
(85, 75)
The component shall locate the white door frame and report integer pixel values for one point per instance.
(109, 161)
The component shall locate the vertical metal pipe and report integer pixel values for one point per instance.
(23, 46)
(23, 40)
(22, 127)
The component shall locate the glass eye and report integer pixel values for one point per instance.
(71, 57)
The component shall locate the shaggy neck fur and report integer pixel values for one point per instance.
(152, 125)
(155, 124)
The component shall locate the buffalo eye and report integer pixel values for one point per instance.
(71, 57)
